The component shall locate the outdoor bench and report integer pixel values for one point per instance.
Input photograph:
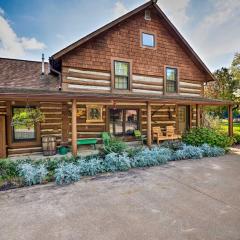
(87, 141)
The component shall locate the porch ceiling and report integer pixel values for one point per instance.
(39, 95)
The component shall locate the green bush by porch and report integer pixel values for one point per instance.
(200, 136)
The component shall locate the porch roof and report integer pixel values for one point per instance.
(39, 95)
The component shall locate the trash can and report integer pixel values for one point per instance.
(49, 145)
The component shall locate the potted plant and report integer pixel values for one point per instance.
(28, 117)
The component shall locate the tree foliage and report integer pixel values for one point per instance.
(226, 86)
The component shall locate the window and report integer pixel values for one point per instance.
(123, 121)
(121, 75)
(171, 80)
(22, 132)
(148, 40)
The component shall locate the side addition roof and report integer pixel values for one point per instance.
(19, 74)
(168, 24)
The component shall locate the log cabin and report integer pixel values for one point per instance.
(137, 72)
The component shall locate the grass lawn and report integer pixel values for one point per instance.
(236, 129)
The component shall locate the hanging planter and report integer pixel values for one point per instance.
(27, 117)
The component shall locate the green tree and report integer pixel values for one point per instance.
(235, 68)
(222, 88)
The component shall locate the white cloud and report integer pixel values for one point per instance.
(1, 12)
(13, 46)
(119, 9)
(31, 44)
(218, 33)
(176, 10)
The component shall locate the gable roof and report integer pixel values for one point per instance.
(196, 59)
(18, 74)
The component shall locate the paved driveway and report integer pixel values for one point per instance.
(184, 200)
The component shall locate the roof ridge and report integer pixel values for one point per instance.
(23, 60)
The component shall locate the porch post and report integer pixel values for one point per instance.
(198, 120)
(230, 121)
(149, 125)
(74, 127)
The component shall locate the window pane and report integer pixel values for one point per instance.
(131, 121)
(121, 68)
(116, 121)
(121, 82)
(148, 40)
(171, 86)
(21, 131)
(171, 80)
(171, 74)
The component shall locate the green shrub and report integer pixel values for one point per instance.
(115, 145)
(200, 136)
(32, 174)
(133, 151)
(8, 169)
(236, 138)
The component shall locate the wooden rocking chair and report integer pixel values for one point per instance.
(170, 133)
(158, 134)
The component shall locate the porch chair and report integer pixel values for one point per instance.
(138, 135)
(170, 133)
(158, 134)
(106, 138)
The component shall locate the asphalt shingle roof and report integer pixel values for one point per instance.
(15, 73)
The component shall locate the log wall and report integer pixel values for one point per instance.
(58, 121)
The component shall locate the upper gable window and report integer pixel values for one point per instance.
(148, 40)
(121, 75)
(171, 80)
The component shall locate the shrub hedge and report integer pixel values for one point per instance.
(68, 170)
(200, 136)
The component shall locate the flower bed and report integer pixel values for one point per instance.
(68, 170)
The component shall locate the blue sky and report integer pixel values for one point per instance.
(30, 27)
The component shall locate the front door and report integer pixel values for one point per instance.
(2, 137)
(183, 118)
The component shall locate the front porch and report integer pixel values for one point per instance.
(68, 117)
(193, 112)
